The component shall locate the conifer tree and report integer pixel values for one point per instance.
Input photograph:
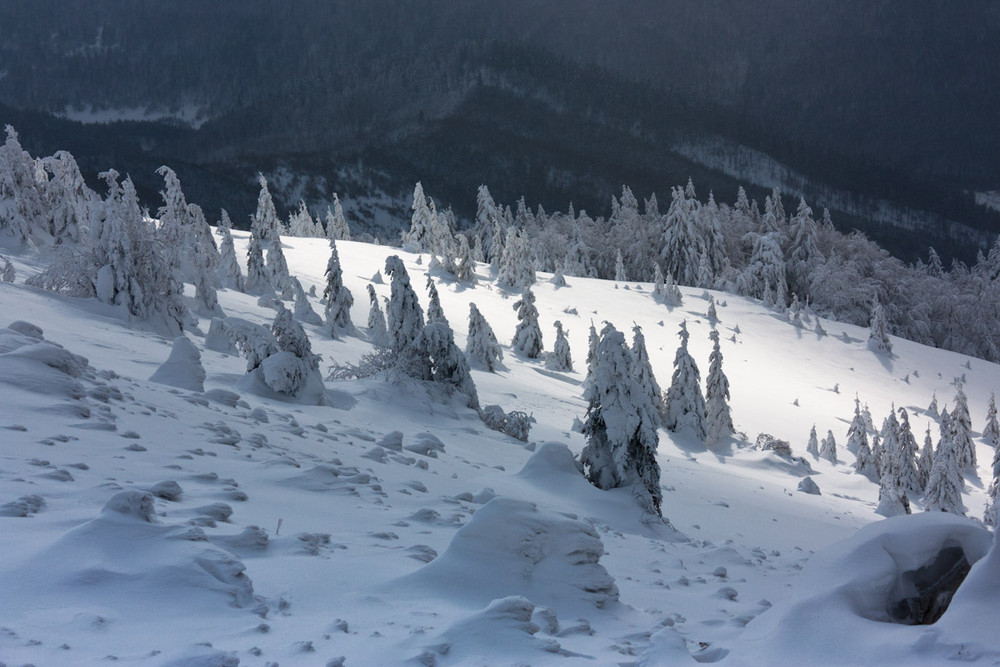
(932, 409)
(993, 504)
(944, 487)
(8, 274)
(336, 224)
(764, 276)
(377, 332)
(265, 222)
(620, 426)
(258, 280)
(892, 493)
(642, 372)
(466, 268)
(812, 447)
(712, 314)
(300, 222)
(593, 340)
(961, 427)
(719, 419)
(482, 346)
(487, 217)
(528, 334)
(303, 309)
(685, 404)
(682, 243)
(908, 451)
(404, 316)
(828, 448)
(516, 265)
(559, 359)
(230, 275)
(338, 298)
(277, 269)
(878, 336)
(445, 363)
(420, 222)
(926, 461)
(991, 431)
(434, 309)
(620, 275)
(665, 288)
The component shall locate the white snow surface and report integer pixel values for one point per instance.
(160, 525)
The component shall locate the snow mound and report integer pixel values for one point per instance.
(510, 547)
(132, 503)
(501, 634)
(40, 366)
(864, 587)
(183, 368)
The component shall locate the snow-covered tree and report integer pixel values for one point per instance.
(932, 408)
(878, 335)
(892, 493)
(265, 222)
(620, 426)
(828, 448)
(230, 275)
(527, 334)
(418, 236)
(258, 280)
(466, 262)
(908, 451)
(404, 316)
(517, 264)
(926, 462)
(487, 217)
(764, 276)
(446, 364)
(22, 203)
(685, 404)
(812, 447)
(991, 431)
(8, 274)
(961, 428)
(338, 298)
(71, 203)
(665, 289)
(336, 224)
(300, 222)
(620, 275)
(682, 243)
(712, 314)
(944, 487)
(642, 372)
(434, 309)
(559, 359)
(377, 331)
(719, 420)
(293, 369)
(303, 309)
(593, 340)
(277, 269)
(482, 346)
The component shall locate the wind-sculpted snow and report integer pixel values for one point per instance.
(511, 547)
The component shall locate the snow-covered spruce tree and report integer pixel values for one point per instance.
(878, 336)
(482, 346)
(828, 448)
(892, 491)
(517, 269)
(764, 276)
(434, 309)
(865, 463)
(229, 272)
(620, 275)
(378, 334)
(682, 243)
(719, 420)
(495, 255)
(337, 228)
(294, 369)
(22, 205)
(527, 334)
(944, 487)
(926, 461)
(665, 289)
(712, 314)
(908, 451)
(685, 404)
(559, 359)
(620, 426)
(487, 216)
(404, 316)
(932, 408)
(435, 344)
(593, 340)
(7, 274)
(812, 447)
(300, 222)
(338, 298)
(642, 373)
(303, 309)
(265, 222)
(173, 230)
(417, 238)
(466, 263)
(961, 429)
(993, 504)
(991, 431)
(277, 269)
(258, 280)
(71, 203)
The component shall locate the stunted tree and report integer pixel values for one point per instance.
(620, 427)
(418, 236)
(991, 431)
(377, 331)
(336, 224)
(944, 487)
(434, 309)
(338, 298)
(258, 279)
(560, 358)
(300, 222)
(828, 448)
(527, 334)
(812, 447)
(908, 451)
(303, 309)
(445, 363)
(620, 275)
(405, 317)
(961, 428)
(642, 372)
(593, 340)
(719, 420)
(685, 404)
(665, 288)
(517, 269)
(229, 272)
(878, 332)
(893, 498)
(926, 462)
(482, 346)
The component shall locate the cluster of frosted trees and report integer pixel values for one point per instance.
(745, 248)
(906, 471)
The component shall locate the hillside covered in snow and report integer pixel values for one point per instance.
(254, 465)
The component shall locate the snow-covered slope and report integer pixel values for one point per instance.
(390, 526)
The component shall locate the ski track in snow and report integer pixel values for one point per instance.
(156, 525)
